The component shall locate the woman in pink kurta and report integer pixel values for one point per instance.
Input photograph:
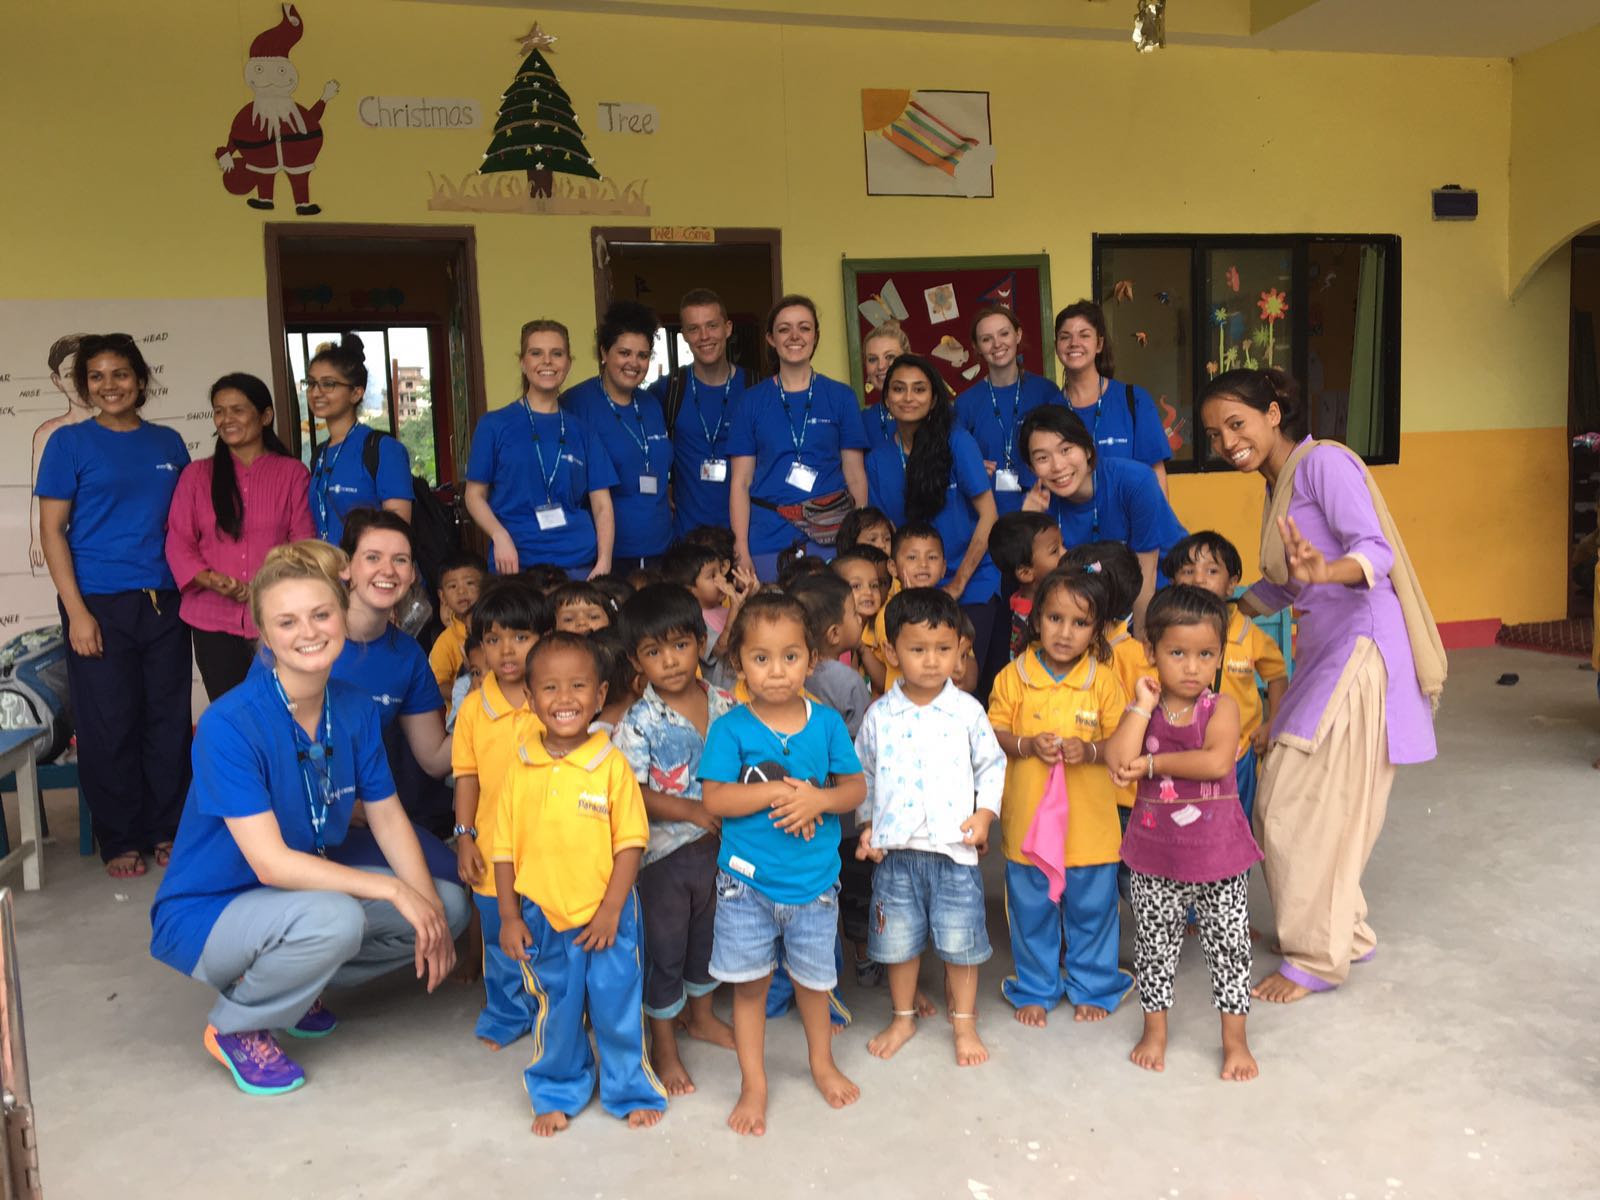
(227, 512)
(1354, 708)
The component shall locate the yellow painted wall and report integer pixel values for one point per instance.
(1555, 149)
(760, 127)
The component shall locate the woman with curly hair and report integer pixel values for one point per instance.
(933, 471)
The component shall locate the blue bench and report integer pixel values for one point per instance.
(54, 775)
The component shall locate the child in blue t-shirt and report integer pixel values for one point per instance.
(778, 771)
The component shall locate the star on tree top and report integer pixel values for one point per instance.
(537, 39)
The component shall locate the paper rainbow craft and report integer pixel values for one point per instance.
(896, 116)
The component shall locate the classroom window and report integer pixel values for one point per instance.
(1326, 308)
(399, 394)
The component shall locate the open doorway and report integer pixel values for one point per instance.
(1583, 418)
(656, 266)
(411, 293)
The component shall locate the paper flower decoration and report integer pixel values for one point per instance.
(1274, 307)
(1233, 278)
(1219, 318)
(1122, 290)
(1142, 338)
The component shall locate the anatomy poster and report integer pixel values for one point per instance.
(188, 344)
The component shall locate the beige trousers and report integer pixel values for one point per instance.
(1318, 814)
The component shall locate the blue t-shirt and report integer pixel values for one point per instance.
(341, 481)
(246, 762)
(635, 439)
(993, 415)
(531, 459)
(1127, 507)
(391, 671)
(700, 433)
(777, 429)
(886, 489)
(1141, 437)
(784, 868)
(878, 425)
(120, 483)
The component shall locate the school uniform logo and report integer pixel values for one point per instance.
(340, 489)
(1087, 722)
(1240, 666)
(385, 699)
(594, 804)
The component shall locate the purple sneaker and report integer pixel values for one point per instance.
(318, 1022)
(255, 1060)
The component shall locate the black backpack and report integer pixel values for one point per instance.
(433, 525)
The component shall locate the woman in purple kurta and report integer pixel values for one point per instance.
(1354, 708)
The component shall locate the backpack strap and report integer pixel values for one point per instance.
(1128, 390)
(374, 447)
(672, 404)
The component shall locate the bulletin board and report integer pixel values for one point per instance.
(934, 299)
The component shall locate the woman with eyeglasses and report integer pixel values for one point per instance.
(104, 488)
(346, 471)
(229, 510)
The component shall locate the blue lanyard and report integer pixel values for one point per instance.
(722, 407)
(1007, 427)
(799, 439)
(1094, 430)
(548, 476)
(315, 760)
(325, 468)
(885, 422)
(642, 440)
(1094, 505)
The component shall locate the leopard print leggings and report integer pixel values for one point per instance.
(1159, 906)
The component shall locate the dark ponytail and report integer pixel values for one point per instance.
(928, 464)
(225, 499)
(1257, 389)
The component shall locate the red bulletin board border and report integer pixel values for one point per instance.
(972, 279)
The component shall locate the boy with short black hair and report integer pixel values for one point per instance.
(469, 680)
(566, 854)
(491, 726)
(461, 578)
(578, 606)
(934, 774)
(1210, 561)
(545, 577)
(662, 736)
(1025, 547)
(916, 559)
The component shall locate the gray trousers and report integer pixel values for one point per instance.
(272, 952)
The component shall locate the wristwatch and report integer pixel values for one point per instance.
(469, 830)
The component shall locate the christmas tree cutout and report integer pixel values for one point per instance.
(537, 131)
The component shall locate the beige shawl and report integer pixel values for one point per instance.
(1427, 650)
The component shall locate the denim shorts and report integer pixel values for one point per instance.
(918, 893)
(751, 928)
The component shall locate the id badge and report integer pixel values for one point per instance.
(1005, 480)
(801, 477)
(714, 470)
(649, 485)
(551, 516)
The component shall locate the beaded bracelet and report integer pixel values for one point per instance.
(1134, 708)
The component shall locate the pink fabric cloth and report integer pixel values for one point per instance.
(1045, 843)
(274, 492)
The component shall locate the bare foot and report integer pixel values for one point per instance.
(643, 1118)
(1089, 1012)
(1597, 764)
(493, 1045)
(835, 1029)
(749, 1116)
(1191, 930)
(1275, 989)
(549, 1124)
(1032, 1015)
(674, 1076)
(1255, 934)
(712, 1029)
(1238, 1064)
(970, 1050)
(162, 853)
(926, 1007)
(1151, 1050)
(896, 1033)
(836, 1089)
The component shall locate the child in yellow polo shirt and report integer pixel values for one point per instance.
(1058, 702)
(460, 580)
(567, 845)
(495, 719)
(1210, 561)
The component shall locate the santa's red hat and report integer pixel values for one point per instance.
(280, 39)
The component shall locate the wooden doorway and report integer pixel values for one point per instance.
(411, 292)
(656, 266)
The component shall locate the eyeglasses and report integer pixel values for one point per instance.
(324, 385)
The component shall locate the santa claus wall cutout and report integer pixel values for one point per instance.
(274, 133)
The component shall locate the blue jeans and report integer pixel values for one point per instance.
(918, 894)
(751, 927)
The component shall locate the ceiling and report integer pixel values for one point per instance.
(1466, 28)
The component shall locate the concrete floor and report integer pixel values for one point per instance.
(1462, 1062)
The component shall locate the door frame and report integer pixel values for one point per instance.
(279, 236)
(601, 237)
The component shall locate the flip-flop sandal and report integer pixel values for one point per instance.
(132, 866)
(162, 854)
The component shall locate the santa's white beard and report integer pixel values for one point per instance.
(274, 112)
